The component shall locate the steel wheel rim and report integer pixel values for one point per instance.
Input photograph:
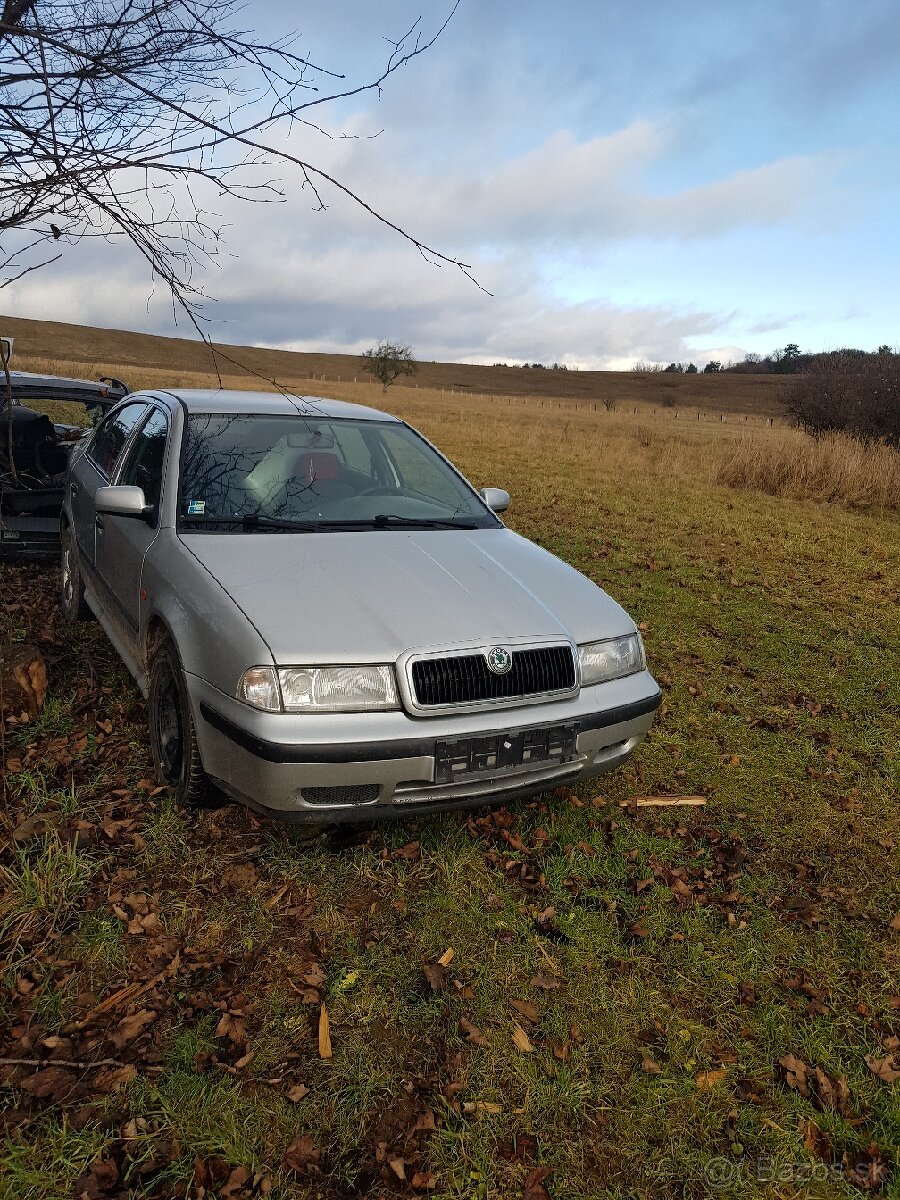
(68, 583)
(168, 729)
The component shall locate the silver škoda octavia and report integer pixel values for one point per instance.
(329, 622)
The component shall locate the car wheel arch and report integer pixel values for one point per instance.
(158, 632)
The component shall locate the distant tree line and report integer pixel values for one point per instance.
(674, 368)
(856, 392)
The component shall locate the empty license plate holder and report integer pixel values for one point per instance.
(497, 753)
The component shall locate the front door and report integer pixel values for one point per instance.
(93, 469)
(122, 542)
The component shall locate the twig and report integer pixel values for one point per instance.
(61, 1062)
(130, 992)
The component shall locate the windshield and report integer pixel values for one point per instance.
(247, 472)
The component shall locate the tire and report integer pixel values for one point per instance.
(173, 739)
(72, 601)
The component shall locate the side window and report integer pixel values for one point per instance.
(112, 434)
(143, 466)
(415, 467)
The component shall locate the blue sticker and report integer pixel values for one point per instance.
(196, 508)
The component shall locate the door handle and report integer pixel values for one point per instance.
(73, 490)
(98, 521)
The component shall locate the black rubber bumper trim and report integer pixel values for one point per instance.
(277, 752)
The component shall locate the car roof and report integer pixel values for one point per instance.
(27, 385)
(225, 400)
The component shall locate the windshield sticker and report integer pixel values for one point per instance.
(196, 508)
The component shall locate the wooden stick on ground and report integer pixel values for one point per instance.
(666, 802)
(126, 993)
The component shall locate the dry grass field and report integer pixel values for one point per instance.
(144, 360)
(641, 1002)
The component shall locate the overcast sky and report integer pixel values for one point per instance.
(630, 180)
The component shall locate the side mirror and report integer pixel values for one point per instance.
(121, 501)
(496, 499)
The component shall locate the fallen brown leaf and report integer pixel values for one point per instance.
(112, 1078)
(706, 1080)
(315, 976)
(424, 1180)
(131, 1026)
(436, 974)
(236, 1181)
(815, 1142)
(296, 1093)
(826, 1091)
(795, 1074)
(869, 1170)
(53, 1082)
(887, 1068)
(233, 1028)
(412, 852)
(832, 1092)
(547, 982)
(526, 1009)
(533, 1188)
(302, 1154)
(99, 1179)
(471, 1032)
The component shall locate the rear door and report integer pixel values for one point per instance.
(122, 542)
(93, 468)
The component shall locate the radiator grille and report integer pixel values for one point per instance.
(467, 679)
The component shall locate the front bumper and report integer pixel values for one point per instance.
(368, 766)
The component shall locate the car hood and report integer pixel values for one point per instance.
(371, 596)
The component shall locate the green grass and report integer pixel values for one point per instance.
(773, 626)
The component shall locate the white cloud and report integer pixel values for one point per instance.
(339, 280)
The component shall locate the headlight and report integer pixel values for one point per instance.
(320, 689)
(601, 661)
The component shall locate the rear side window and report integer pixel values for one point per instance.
(111, 436)
(144, 464)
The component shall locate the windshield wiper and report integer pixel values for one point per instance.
(380, 521)
(390, 521)
(250, 521)
(260, 521)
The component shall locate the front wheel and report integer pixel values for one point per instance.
(73, 603)
(173, 740)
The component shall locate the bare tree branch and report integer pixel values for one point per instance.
(111, 110)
